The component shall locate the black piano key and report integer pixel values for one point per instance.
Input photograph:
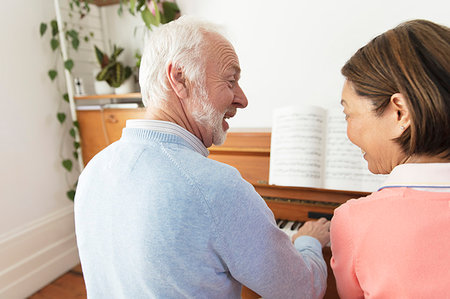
(283, 223)
(294, 226)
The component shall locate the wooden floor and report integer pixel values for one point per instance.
(68, 286)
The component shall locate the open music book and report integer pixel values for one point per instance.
(310, 148)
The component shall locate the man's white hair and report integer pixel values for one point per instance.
(179, 42)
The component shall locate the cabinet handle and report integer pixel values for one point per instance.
(112, 119)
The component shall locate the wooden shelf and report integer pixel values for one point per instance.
(134, 95)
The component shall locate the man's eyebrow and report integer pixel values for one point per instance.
(234, 70)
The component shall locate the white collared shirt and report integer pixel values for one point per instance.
(434, 177)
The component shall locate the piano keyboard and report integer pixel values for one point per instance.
(289, 227)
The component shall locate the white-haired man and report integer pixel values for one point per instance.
(155, 218)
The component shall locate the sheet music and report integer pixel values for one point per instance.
(297, 146)
(310, 148)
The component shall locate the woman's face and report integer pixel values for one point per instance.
(373, 134)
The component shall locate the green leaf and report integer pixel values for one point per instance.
(102, 59)
(71, 194)
(75, 155)
(54, 43)
(43, 28)
(157, 13)
(86, 6)
(149, 18)
(66, 97)
(75, 43)
(52, 74)
(54, 26)
(72, 33)
(120, 9)
(61, 117)
(76, 124)
(116, 53)
(67, 164)
(72, 132)
(91, 34)
(132, 6)
(76, 145)
(170, 11)
(141, 3)
(86, 38)
(68, 64)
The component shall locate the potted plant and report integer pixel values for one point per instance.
(113, 72)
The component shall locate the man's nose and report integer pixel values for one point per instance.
(239, 98)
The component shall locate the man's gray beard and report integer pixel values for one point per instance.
(208, 117)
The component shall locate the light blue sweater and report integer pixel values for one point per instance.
(156, 219)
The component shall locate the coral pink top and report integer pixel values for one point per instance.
(395, 243)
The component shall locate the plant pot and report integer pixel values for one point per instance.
(126, 87)
(101, 87)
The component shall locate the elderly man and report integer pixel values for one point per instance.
(155, 218)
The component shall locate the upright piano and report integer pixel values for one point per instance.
(249, 152)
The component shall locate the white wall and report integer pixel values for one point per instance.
(37, 242)
(291, 51)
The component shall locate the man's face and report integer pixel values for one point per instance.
(222, 95)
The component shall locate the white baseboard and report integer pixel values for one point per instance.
(37, 253)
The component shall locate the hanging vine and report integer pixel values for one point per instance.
(72, 36)
(152, 12)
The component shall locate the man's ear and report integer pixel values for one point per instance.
(177, 81)
(399, 104)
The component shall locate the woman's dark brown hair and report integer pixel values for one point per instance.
(413, 59)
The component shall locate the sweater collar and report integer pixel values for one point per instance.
(169, 128)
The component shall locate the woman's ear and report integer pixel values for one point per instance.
(177, 81)
(399, 104)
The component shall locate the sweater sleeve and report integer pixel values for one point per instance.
(261, 256)
(343, 259)
(311, 251)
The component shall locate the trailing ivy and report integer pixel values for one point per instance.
(72, 36)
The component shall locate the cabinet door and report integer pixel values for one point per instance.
(115, 121)
(100, 128)
(91, 133)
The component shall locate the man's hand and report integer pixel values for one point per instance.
(319, 229)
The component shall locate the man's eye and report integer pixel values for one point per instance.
(231, 83)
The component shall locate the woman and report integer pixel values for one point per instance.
(395, 243)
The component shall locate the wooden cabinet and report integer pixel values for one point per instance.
(101, 127)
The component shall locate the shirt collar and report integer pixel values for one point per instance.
(169, 128)
(423, 176)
